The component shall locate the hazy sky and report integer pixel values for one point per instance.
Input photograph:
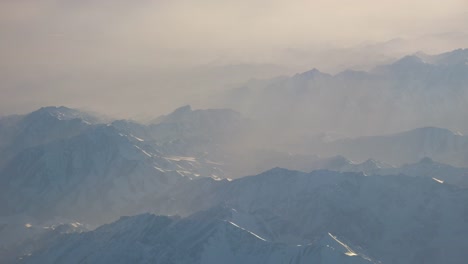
(127, 57)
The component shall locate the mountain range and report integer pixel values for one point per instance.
(418, 90)
(282, 216)
(356, 167)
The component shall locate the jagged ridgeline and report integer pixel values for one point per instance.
(368, 167)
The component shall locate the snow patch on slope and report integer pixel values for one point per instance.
(252, 233)
(349, 251)
(437, 180)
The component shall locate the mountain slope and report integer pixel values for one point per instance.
(376, 213)
(97, 173)
(202, 238)
(40, 127)
(392, 219)
(426, 167)
(58, 168)
(408, 93)
(406, 147)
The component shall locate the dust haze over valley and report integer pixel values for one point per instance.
(145, 58)
(233, 132)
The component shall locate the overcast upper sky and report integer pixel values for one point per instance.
(128, 57)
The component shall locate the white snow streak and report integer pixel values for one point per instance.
(350, 251)
(137, 138)
(144, 152)
(252, 233)
(179, 158)
(437, 180)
